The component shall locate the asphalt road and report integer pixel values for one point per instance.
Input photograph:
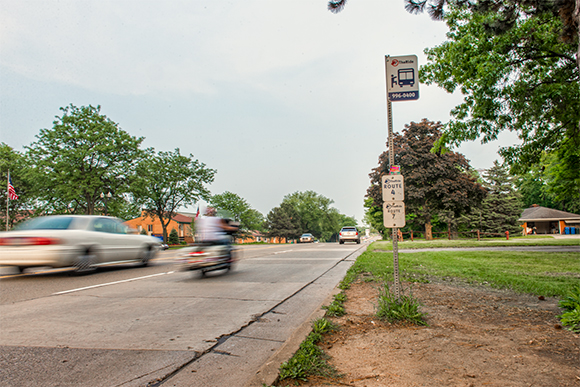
(156, 326)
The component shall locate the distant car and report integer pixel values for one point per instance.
(163, 246)
(307, 238)
(83, 242)
(348, 234)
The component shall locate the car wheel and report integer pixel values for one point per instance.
(358, 242)
(340, 242)
(146, 256)
(85, 262)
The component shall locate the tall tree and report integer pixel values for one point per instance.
(503, 205)
(84, 155)
(506, 13)
(524, 80)
(435, 182)
(167, 181)
(249, 218)
(283, 222)
(14, 161)
(315, 213)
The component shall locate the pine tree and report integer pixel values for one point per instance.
(173, 238)
(502, 207)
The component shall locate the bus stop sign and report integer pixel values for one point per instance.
(402, 78)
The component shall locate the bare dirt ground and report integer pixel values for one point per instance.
(476, 336)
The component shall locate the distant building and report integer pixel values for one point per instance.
(152, 226)
(542, 220)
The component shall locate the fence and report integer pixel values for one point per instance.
(470, 234)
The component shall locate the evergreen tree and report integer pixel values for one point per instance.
(502, 207)
(283, 222)
(173, 237)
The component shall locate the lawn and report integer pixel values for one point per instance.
(538, 273)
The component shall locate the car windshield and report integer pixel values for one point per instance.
(46, 223)
(348, 229)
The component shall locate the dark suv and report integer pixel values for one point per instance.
(348, 234)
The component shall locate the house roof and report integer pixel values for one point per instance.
(539, 213)
(180, 218)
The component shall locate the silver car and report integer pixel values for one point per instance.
(83, 242)
(348, 234)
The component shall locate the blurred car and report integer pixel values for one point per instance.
(307, 238)
(348, 234)
(83, 242)
(163, 246)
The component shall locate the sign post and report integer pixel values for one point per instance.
(402, 76)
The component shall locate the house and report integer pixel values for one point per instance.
(542, 220)
(152, 226)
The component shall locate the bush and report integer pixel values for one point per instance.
(571, 304)
(173, 238)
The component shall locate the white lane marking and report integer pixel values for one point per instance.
(282, 252)
(111, 283)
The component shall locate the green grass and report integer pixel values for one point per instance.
(545, 274)
(488, 242)
(309, 359)
(336, 307)
(405, 308)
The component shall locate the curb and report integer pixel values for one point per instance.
(267, 375)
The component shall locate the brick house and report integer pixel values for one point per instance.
(152, 226)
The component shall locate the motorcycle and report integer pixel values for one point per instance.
(207, 257)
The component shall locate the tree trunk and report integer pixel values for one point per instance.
(428, 231)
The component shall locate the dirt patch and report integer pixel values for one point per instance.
(476, 337)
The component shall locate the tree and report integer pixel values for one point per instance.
(502, 207)
(283, 222)
(506, 13)
(167, 181)
(315, 213)
(173, 237)
(84, 155)
(14, 161)
(554, 182)
(524, 80)
(239, 209)
(435, 182)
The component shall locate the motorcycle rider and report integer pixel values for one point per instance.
(214, 230)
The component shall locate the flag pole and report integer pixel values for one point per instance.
(7, 198)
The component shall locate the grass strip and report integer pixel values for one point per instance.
(491, 242)
(309, 359)
(538, 273)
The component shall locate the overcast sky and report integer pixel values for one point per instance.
(278, 96)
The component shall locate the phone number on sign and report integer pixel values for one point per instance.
(410, 95)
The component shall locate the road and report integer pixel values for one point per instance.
(156, 326)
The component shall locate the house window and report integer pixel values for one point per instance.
(150, 228)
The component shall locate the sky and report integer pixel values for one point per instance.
(277, 96)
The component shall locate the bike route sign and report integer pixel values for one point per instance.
(394, 214)
(402, 78)
(393, 188)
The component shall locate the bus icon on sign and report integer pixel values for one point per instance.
(406, 77)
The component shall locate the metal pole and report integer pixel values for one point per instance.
(395, 231)
(7, 199)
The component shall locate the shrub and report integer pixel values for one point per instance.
(173, 238)
(571, 304)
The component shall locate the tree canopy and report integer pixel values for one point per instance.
(239, 209)
(524, 80)
(167, 181)
(84, 155)
(435, 182)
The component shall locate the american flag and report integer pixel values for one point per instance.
(11, 192)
